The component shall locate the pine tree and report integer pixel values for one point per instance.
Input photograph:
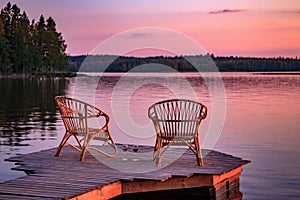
(4, 46)
(22, 37)
(7, 38)
(55, 47)
(39, 38)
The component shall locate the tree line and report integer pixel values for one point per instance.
(29, 47)
(109, 63)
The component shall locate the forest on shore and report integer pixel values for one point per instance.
(108, 63)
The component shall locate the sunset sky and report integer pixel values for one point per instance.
(268, 28)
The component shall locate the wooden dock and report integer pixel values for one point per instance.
(65, 177)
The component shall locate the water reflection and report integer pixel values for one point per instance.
(27, 109)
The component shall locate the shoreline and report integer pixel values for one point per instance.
(46, 75)
(277, 73)
(74, 74)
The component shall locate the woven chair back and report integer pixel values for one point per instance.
(177, 117)
(74, 114)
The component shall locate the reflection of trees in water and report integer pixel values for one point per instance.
(27, 109)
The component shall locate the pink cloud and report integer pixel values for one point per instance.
(225, 11)
(290, 11)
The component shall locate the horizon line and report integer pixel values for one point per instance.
(208, 54)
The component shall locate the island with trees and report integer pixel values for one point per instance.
(30, 47)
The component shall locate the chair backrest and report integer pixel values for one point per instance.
(177, 117)
(75, 113)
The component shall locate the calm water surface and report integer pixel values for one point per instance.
(262, 121)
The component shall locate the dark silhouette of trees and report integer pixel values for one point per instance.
(109, 63)
(29, 47)
(257, 64)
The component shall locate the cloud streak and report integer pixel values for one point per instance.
(290, 11)
(139, 35)
(227, 11)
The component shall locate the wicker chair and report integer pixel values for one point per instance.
(177, 122)
(76, 116)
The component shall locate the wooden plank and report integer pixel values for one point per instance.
(16, 197)
(101, 193)
(67, 177)
(170, 184)
(226, 175)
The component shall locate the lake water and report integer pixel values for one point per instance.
(261, 122)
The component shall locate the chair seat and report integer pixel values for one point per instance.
(100, 134)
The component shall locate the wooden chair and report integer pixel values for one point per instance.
(177, 122)
(76, 116)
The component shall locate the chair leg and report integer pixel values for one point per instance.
(158, 158)
(112, 144)
(62, 143)
(200, 161)
(82, 155)
(109, 141)
(157, 152)
(86, 143)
